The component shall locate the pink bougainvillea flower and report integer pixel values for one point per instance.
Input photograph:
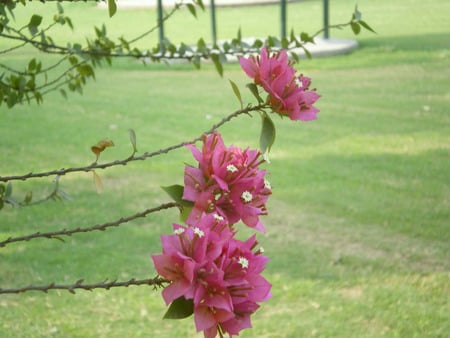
(288, 94)
(228, 182)
(205, 263)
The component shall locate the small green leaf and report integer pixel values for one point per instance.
(32, 65)
(192, 9)
(254, 89)
(307, 52)
(176, 192)
(133, 139)
(112, 8)
(366, 26)
(267, 137)
(201, 45)
(35, 21)
(306, 38)
(60, 8)
(237, 93)
(2, 189)
(180, 308)
(8, 191)
(28, 197)
(200, 4)
(217, 63)
(63, 93)
(356, 28)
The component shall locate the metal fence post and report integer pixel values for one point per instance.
(283, 18)
(326, 31)
(160, 26)
(213, 22)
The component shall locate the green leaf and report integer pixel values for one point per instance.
(112, 8)
(32, 65)
(200, 4)
(176, 192)
(63, 93)
(133, 139)
(201, 45)
(35, 21)
(237, 93)
(28, 197)
(306, 38)
(267, 137)
(2, 189)
(60, 8)
(307, 52)
(366, 26)
(217, 63)
(180, 308)
(356, 28)
(254, 89)
(192, 9)
(8, 191)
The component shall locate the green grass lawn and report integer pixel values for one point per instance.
(358, 225)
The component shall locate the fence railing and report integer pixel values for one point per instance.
(212, 8)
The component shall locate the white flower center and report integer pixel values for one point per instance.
(199, 232)
(218, 217)
(243, 261)
(178, 231)
(247, 196)
(231, 168)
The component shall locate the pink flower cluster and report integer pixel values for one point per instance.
(288, 94)
(228, 182)
(219, 273)
(204, 261)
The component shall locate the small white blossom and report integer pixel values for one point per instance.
(231, 168)
(244, 262)
(298, 82)
(247, 196)
(178, 231)
(267, 184)
(199, 232)
(261, 250)
(218, 217)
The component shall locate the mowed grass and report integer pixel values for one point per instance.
(358, 225)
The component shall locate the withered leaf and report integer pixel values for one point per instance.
(100, 146)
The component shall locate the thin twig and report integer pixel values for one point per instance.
(97, 227)
(93, 166)
(155, 282)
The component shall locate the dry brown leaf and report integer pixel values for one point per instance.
(100, 146)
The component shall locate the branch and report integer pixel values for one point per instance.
(98, 227)
(93, 166)
(155, 282)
